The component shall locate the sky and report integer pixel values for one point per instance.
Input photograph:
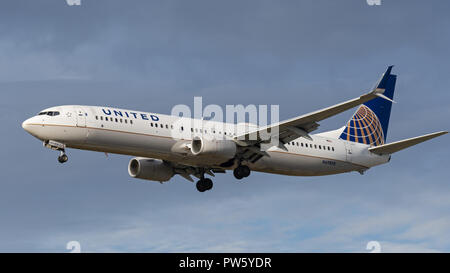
(152, 55)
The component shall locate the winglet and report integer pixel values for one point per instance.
(384, 97)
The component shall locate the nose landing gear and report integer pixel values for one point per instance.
(57, 146)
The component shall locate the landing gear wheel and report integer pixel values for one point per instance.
(237, 173)
(208, 183)
(245, 170)
(199, 186)
(63, 158)
(241, 171)
(204, 184)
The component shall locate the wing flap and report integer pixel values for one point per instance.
(403, 144)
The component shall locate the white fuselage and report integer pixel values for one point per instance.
(143, 134)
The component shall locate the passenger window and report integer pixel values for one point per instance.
(332, 149)
(301, 144)
(328, 148)
(171, 126)
(320, 147)
(167, 127)
(116, 120)
(101, 117)
(151, 124)
(131, 122)
(126, 121)
(182, 129)
(106, 118)
(161, 126)
(96, 117)
(120, 120)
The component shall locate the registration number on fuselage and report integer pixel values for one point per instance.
(329, 162)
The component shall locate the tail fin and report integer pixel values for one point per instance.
(369, 124)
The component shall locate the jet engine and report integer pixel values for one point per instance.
(217, 151)
(150, 169)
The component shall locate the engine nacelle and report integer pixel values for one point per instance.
(150, 169)
(218, 151)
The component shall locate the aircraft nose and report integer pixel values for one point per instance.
(26, 125)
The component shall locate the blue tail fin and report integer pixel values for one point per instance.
(369, 124)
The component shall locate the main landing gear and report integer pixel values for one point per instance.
(62, 158)
(241, 171)
(204, 184)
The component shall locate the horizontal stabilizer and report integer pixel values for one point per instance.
(403, 144)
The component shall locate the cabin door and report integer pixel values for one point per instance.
(81, 117)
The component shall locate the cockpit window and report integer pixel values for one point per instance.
(50, 113)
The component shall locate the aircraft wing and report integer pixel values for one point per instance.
(186, 171)
(403, 144)
(300, 126)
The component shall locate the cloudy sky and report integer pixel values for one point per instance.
(152, 55)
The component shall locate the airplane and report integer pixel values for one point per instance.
(164, 147)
